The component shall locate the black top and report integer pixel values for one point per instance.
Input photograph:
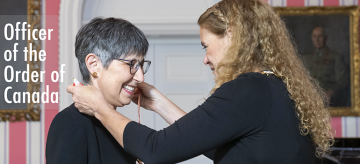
(248, 120)
(75, 138)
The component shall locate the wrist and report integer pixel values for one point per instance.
(160, 104)
(169, 111)
(104, 112)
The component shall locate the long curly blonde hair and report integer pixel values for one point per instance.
(260, 40)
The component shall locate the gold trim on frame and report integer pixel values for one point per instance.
(32, 113)
(353, 12)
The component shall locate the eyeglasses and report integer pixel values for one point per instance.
(135, 65)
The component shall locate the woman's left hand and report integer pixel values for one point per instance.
(87, 99)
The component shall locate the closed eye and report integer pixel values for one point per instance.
(203, 44)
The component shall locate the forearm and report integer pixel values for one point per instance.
(169, 111)
(113, 121)
(186, 138)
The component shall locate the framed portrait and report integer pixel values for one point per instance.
(327, 39)
(13, 12)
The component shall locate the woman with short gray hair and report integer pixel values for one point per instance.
(111, 55)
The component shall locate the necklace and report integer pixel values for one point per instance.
(269, 73)
(138, 160)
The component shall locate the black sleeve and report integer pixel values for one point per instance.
(66, 141)
(237, 108)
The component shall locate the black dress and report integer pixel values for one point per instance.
(75, 138)
(248, 120)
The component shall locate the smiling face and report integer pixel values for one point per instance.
(215, 47)
(116, 83)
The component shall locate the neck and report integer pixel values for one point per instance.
(95, 85)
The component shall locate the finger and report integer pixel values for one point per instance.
(77, 106)
(134, 100)
(142, 85)
(75, 99)
(136, 91)
(134, 97)
(70, 89)
(136, 94)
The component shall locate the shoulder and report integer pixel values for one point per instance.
(69, 118)
(247, 96)
(249, 82)
(68, 125)
(67, 138)
(248, 87)
(69, 113)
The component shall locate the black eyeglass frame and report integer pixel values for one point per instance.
(141, 64)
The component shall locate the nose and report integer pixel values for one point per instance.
(139, 75)
(205, 60)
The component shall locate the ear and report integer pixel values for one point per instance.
(92, 63)
(229, 32)
(228, 36)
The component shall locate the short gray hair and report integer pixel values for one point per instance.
(110, 38)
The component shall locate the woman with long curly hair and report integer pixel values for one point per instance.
(264, 107)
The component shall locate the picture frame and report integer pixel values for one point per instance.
(327, 39)
(30, 111)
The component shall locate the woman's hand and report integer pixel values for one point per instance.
(152, 99)
(150, 96)
(87, 99)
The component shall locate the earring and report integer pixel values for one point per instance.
(94, 74)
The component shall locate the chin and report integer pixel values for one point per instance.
(127, 103)
(123, 103)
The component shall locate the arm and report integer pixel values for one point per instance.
(166, 108)
(151, 99)
(230, 113)
(66, 141)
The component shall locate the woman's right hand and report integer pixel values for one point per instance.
(152, 99)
